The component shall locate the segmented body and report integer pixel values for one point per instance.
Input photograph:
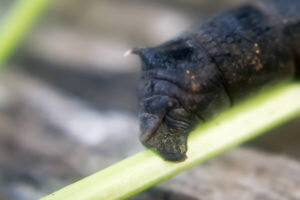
(211, 67)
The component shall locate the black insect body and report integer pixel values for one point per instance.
(192, 78)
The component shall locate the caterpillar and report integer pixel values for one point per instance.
(190, 79)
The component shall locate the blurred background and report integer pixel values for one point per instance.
(68, 105)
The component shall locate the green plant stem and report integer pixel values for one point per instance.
(17, 22)
(146, 168)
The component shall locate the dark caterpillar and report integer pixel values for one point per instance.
(190, 79)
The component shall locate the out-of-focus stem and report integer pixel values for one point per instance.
(16, 24)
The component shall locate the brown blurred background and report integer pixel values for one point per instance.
(68, 106)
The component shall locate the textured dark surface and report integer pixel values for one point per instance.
(195, 76)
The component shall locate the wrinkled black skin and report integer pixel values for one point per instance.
(192, 78)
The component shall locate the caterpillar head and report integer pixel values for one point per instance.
(164, 121)
(180, 87)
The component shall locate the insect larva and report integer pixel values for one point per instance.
(192, 78)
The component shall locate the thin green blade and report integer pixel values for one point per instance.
(146, 168)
